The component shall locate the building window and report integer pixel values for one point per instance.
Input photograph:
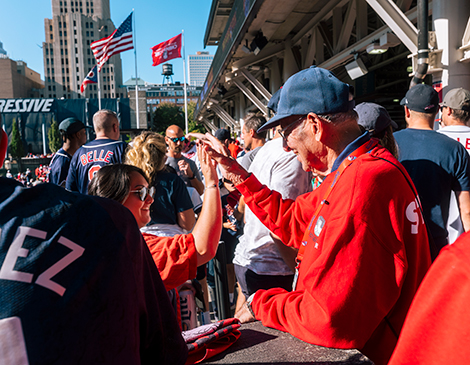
(66, 52)
(61, 51)
(76, 41)
(47, 51)
(78, 78)
(60, 25)
(50, 28)
(65, 42)
(51, 37)
(52, 60)
(77, 70)
(65, 25)
(92, 11)
(61, 43)
(91, 25)
(76, 50)
(92, 33)
(65, 10)
(66, 61)
(75, 32)
(88, 52)
(60, 33)
(86, 25)
(64, 88)
(89, 61)
(87, 42)
(67, 70)
(76, 60)
(62, 60)
(87, 33)
(68, 79)
(63, 70)
(65, 33)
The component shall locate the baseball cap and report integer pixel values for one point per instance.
(222, 134)
(274, 101)
(71, 125)
(421, 98)
(313, 90)
(458, 99)
(373, 117)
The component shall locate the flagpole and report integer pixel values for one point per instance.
(185, 90)
(99, 88)
(136, 79)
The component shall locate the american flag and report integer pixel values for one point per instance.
(119, 41)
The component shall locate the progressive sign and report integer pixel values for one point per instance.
(26, 105)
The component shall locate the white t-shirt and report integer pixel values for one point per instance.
(282, 172)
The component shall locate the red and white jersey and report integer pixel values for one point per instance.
(460, 133)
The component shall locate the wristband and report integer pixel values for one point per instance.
(211, 187)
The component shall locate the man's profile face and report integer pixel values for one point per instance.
(300, 143)
(247, 139)
(81, 135)
(176, 147)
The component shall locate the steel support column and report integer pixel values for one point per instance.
(251, 96)
(224, 116)
(256, 84)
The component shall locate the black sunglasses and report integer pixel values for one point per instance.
(144, 191)
(176, 139)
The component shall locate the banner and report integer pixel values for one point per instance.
(167, 50)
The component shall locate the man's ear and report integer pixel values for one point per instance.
(407, 112)
(315, 123)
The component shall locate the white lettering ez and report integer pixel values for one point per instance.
(16, 250)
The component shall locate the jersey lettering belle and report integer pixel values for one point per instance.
(89, 159)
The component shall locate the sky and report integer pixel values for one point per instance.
(22, 32)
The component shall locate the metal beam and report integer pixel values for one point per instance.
(346, 30)
(251, 96)
(210, 126)
(349, 52)
(317, 18)
(311, 50)
(224, 115)
(256, 84)
(266, 53)
(397, 21)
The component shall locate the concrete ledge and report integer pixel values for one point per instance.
(261, 345)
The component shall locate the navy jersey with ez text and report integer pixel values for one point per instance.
(78, 284)
(59, 167)
(89, 159)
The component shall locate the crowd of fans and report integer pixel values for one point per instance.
(327, 226)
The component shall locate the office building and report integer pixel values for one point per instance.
(67, 54)
(199, 65)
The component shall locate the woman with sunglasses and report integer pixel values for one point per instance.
(172, 211)
(178, 257)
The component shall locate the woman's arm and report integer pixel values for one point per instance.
(209, 225)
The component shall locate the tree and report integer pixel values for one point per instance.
(193, 126)
(16, 144)
(55, 140)
(167, 114)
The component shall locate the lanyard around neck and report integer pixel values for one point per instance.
(366, 147)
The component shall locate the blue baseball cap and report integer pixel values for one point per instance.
(313, 90)
(373, 117)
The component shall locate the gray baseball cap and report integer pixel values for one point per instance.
(458, 99)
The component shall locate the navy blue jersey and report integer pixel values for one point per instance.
(78, 283)
(437, 165)
(89, 159)
(59, 167)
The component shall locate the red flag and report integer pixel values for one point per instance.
(119, 41)
(167, 50)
